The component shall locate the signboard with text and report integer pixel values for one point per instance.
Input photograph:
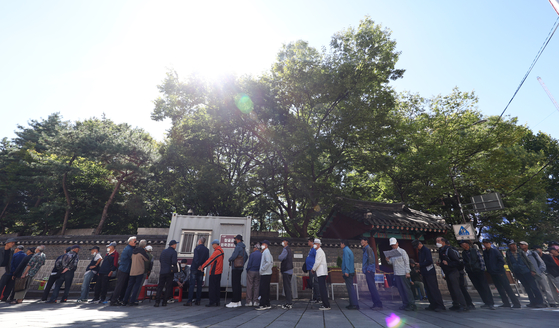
(464, 231)
(227, 241)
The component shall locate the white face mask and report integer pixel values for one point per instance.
(283, 243)
(94, 253)
(108, 250)
(315, 246)
(263, 247)
(439, 245)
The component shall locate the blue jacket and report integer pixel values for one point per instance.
(369, 263)
(16, 260)
(167, 259)
(426, 266)
(240, 250)
(309, 262)
(348, 265)
(125, 261)
(201, 255)
(494, 261)
(254, 261)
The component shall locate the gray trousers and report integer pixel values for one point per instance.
(287, 287)
(553, 286)
(253, 286)
(404, 289)
(541, 280)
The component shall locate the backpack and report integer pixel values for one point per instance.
(58, 264)
(460, 260)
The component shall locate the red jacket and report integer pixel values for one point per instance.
(216, 261)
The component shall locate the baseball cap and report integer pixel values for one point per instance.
(172, 242)
(94, 247)
(149, 248)
(393, 241)
(20, 247)
(239, 237)
(523, 243)
(512, 242)
(11, 240)
(112, 244)
(317, 241)
(216, 242)
(76, 246)
(265, 242)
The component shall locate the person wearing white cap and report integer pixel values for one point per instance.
(401, 265)
(541, 278)
(524, 271)
(320, 268)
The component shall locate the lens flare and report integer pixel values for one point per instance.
(243, 103)
(394, 321)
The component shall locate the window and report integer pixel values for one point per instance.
(189, 240)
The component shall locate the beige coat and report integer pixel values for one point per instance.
(138, 264)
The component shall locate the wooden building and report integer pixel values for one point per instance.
(352, 219)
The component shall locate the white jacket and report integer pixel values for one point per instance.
(266, 263)
(320, 266)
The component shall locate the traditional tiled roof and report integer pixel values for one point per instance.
(396, 216)
(78, 240)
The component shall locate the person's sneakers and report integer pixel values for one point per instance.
(248, 304)
(553, 305)
(530, 305)
(51, 301)
(324, 308)
(41, 301)
(504, 306)
(263, 307)
(455, 308)
(197, 303)
(187, 304)
(172, 300)
(256, 304)
(81, 301)
(352, 307)
(471, 307)
(133, 304)
(376, 307)
(516, 306)
(317, 301)
(233, 304)
(287, 306)
(156, 305)
(104, 302)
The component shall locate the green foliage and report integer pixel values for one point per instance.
(339, 262)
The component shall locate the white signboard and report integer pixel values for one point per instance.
(464, 231)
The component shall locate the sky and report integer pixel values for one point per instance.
(85, 59)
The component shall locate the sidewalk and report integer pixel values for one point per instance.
(303, 314)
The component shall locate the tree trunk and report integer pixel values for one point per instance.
(109, 202)
(67, 195)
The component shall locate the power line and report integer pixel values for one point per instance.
(544, 45)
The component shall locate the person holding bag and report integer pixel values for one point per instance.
(237, 261)
(35, 263)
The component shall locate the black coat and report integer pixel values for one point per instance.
(494, 261)
(426, 261)
(551, 267)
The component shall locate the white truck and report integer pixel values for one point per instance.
(187, 229)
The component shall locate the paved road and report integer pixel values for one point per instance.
(303, 314)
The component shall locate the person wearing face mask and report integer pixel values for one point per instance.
(265, 276)
(181, 278)
(108, 266)
(309, 263)
(237, 263)
(320, 268)
(495, 265)
(91, 270)
(286, 258)
(137, 270)
(525, 271)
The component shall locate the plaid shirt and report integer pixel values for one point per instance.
(481, 260)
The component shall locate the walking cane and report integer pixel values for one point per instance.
(228, 273)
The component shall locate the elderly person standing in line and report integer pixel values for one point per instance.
(137, 270)
(66, 267)
(6, 254)
(216, 269)
(265, 276)
(168, 261)
(551, 271)
(253, 276)
(401, 265)
(429, 274)
(201, 255)
(369, 269)
(16, 275)
(90, 272)
(33, 266)
(348, 272)
(123, 273)
(17, 258)
(541, 278)
(320, 268)
(525, 271)
(239, 255)
(286, 268)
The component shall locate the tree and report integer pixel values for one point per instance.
(292, 133)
